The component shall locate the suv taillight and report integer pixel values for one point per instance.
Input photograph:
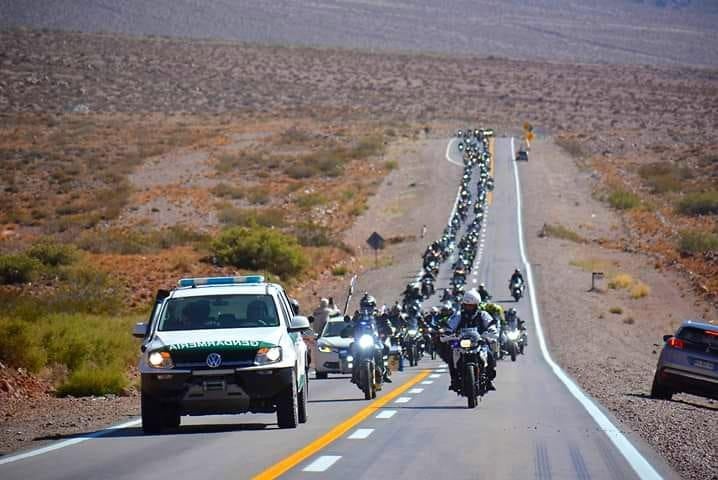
(676, 342)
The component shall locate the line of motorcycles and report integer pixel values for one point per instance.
(406, 333)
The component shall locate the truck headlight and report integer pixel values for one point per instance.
(465, 343)
(160, 360)
(366, 341)
(325, 348)
(268, 355)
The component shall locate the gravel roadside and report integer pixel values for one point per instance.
(612, 355)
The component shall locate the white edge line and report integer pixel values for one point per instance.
(402, 400)
(634, 458)
(322, 463)
(67, 443)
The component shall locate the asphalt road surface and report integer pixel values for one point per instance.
(531, 427)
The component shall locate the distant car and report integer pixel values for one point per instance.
(332, 350)
(688, 362)
(522, 155)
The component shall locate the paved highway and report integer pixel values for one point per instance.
(533, 426)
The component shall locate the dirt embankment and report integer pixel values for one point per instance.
(609, 340)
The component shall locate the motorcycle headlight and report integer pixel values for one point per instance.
(513, 335)
(325, 348)
(160, 360)
(465, 343)
(366, 341)
(269, 355)
(411, 332)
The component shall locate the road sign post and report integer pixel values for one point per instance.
(376, 242)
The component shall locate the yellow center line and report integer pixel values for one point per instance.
(492, 141)
(299, 456)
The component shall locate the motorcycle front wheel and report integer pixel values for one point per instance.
(470, 386)
(367, 373)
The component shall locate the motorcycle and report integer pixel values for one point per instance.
(366, 374)
(517, 290)
(411, 343)
(427, 287)
(472, 352)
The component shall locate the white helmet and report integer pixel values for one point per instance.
(471, 297)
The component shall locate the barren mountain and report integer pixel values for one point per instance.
(608, 31)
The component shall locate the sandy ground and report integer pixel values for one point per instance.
(612, 356)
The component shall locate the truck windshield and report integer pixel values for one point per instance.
(219, 311)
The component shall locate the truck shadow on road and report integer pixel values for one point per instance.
(182, 430)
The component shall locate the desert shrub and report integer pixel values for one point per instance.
(616, 310)
(572, 146)
(259, 248)
(640, 290)
(258, 195)
(339, 270)
(391, 165)
(53, 254)
(228, 161)
(133, 241)
(621, 280)
(629, 320)
(19, 345)
(694, 241)
(18, 268)
(310, 234)
(310, 200)
(247, 217)
(703, 203)
(94, 381)
(228, 191)
(663, 177)
(559, 231)
(623, 200)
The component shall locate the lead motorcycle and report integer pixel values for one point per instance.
(470, 353)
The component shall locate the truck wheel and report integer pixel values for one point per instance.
(288, 405)
(302, 402)
(152, 416)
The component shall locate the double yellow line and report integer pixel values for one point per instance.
(299, 456)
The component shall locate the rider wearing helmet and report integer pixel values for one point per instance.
(365, 321)
(485, 295)
(472, 317)
(516, 277)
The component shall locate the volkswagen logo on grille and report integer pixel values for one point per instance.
(214, 360)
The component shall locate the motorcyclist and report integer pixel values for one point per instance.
(471, 316)
(512, 319)
(516, 277)
(485, 295)
(366, 318)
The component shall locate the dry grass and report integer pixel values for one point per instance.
(562, 232)
(620, 281)
(615, 310)
(640, 290)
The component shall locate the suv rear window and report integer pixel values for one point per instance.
(698, 336)
(219, 311)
